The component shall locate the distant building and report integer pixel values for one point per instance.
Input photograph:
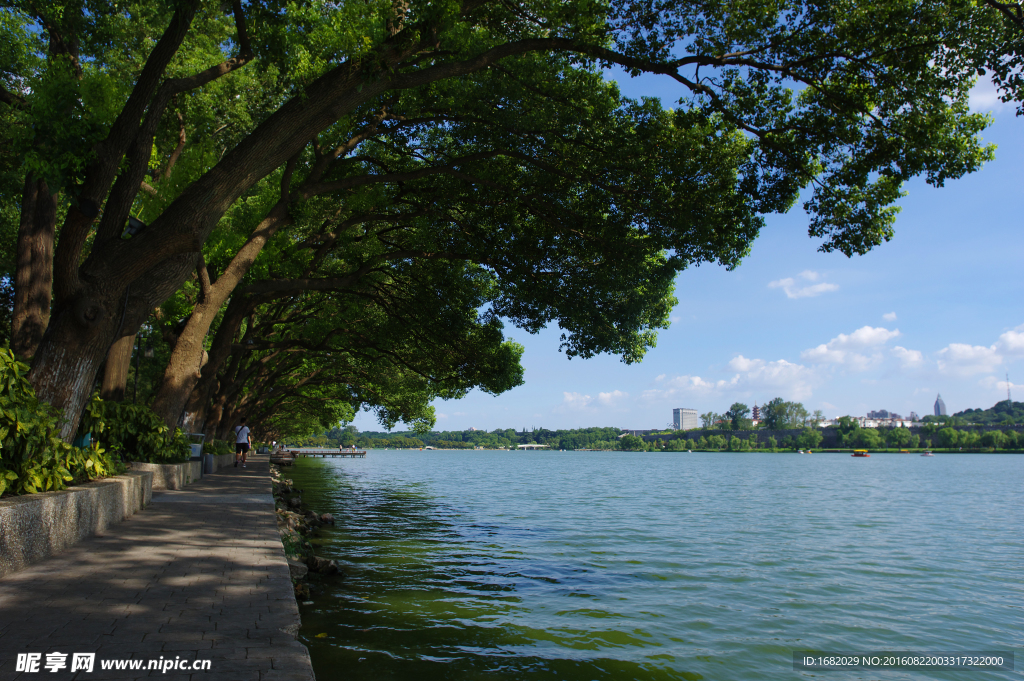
(757, 414)
(940, 406)
(685, 419)
(914, 417)
(883, 414)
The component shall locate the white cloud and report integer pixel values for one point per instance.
(752, 377)
(675, 319)
(889, 316)
(848, 350)
(608, 398)
(1012, 342)
(576, 401)
(984, 96)
(741, 363)
(793, 290)
(909, 359)
(968, 360)
(442, 416)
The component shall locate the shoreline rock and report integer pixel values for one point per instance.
(295, 525)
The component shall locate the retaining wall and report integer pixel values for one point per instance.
(36, 526)
(171, 475)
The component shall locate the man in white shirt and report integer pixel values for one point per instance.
(243, 440)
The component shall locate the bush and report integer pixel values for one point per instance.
(134, 432)
(33, 457)
(219, 448)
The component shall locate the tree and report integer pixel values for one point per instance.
(631, 443)
(737, 414)
(809, 438)
(778, 414)
(773, 414)
(708, 419)
(816, 418)
(949, 438)
(101, 101)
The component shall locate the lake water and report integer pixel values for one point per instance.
(606, 565)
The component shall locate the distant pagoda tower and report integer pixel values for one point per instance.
(940, 406)
(757, 412)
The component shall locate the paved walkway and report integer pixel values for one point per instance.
(199, 575)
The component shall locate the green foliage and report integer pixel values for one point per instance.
(738, 416)
(218, 447)
(33, 457)
(809, 438)
(1003, 412)
(631, 443)
(134, 432)
(778, 414)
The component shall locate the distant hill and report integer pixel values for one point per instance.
(1001, 412)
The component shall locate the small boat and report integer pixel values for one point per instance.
(927, 454)
(860, 452)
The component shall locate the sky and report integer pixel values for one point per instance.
(938, 309)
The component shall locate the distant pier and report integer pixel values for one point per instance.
(286, 457)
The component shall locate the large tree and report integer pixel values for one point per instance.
(110, 104)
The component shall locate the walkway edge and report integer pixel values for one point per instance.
(37, 526)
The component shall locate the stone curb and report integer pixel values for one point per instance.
(36, 526)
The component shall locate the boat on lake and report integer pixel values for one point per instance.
(860, 452)
(927, 454)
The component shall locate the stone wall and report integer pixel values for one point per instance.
(171, 475)
(36, 526)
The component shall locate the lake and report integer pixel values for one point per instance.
(632, 565)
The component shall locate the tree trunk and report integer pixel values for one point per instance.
(199, 405)
(183, 369)
(115, 373)
(33, 282)
(79, 335)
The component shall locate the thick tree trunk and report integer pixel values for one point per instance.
(33, 281)
(185, 365)
(115, 373)
(199, 405)
(80, 332)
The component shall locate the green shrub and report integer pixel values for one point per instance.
(33, 457)
(134, 432)
(219, 447)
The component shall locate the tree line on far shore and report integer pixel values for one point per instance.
(849, 435)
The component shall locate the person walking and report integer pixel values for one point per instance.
(243, 441)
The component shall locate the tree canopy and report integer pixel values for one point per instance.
(251, 164)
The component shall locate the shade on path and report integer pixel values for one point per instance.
(200, 574)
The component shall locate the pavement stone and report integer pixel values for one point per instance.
(203, 577)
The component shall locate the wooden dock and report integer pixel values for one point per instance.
(333, 453)
(286, 457)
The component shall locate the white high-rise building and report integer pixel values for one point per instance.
(685, 419)
(940, 406)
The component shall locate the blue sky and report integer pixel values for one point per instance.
(936, 310)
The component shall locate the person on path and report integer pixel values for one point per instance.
(243, 440)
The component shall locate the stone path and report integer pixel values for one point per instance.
(199, 575)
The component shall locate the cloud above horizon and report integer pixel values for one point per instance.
(851, 349)
(963, 359)
(794, 290)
